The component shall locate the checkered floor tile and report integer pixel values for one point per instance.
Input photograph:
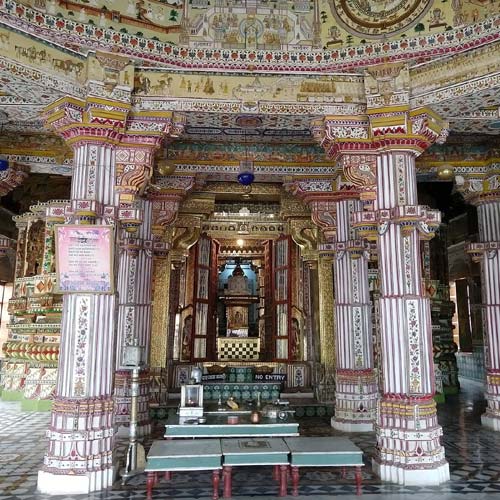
(473, 453)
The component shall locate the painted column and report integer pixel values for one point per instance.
(484, 191)
(356, 392)
(134, 315)
(135, 158)
(408, 435)
(79, 458)
(332, 205)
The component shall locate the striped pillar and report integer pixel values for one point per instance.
(79, 458)
(134, 286)
(408, 446)
(487, 252)
(356, 385)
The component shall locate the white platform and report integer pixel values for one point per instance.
(490, 422)
(351, 426)
(71, 484)
(412, 477)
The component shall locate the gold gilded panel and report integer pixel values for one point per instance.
(159, 333)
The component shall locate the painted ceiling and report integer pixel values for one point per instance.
(250, 76)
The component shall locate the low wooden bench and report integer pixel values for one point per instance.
(176, 456)
(256, 451)
(323, 452)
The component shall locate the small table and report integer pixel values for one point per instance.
(216, 426)
(171, 456)
(256, 451)
(323, 452)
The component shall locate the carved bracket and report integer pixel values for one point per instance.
(12, 177)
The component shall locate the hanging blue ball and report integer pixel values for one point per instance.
(4, 164)
(246, 178)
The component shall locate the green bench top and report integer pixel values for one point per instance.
(323, 451)
(255, 451)
(198, 454)
(216, 426)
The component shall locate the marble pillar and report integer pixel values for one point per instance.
(408, 434)
(79, 458)
(487, 253)
(356, 392)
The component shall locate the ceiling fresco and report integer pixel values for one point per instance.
(275, 25)
(249, 76)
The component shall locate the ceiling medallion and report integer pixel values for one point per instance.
(378, 18)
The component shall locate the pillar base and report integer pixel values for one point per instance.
(345, 426)
(70, 484)
(412, 477)
(490, 422)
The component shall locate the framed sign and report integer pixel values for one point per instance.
(84, 259)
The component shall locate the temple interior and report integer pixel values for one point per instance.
(249, 219)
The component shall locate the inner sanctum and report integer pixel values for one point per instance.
(285, 210)
(239, 297)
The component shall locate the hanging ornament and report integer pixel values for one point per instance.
(4, 164)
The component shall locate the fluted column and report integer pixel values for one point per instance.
(391, 135)
(408, 445)
(484, 191)
(332, 204)
(140, 212)
(356, 385)
(79, 458)
(134, 283)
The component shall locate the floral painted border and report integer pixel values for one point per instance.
(68, 32)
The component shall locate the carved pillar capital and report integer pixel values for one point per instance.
(322, 196)
(481, 185)
(94, 120)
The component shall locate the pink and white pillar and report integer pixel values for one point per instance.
(485, 193)
(333, 203)
(356, 391)
(79, 458)
(408, 434)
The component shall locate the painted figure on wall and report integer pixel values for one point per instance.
(295, 340)
(186, 338)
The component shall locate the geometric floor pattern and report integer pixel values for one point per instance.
(472, 451)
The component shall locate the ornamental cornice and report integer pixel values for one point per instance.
(231, 106)
(41, 25)
(292, 207)
(247, 229)
(198, 204)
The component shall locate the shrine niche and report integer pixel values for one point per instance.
(238, 313)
